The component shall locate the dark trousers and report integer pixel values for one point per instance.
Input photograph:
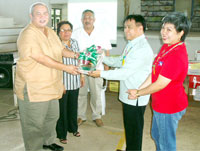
(133, 124)
(67, 121)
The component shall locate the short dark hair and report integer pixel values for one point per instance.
(63, 23)
(180, 21)
(138, 19)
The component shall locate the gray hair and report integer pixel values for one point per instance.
(87, 10)
(180, 21)
(36, 4)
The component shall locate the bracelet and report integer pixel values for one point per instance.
(137, 93)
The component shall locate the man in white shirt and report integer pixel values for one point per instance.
(132, 69)
(87, 36)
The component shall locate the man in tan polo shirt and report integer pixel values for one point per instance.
(38, 82)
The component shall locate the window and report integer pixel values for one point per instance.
(56, 17)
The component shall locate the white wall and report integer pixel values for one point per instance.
(18, 9)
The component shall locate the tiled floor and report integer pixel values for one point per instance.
(107, 138)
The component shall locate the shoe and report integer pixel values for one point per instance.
(98, 122)
(80, 121)
(53, 147)
(77, 134)
(63, 141)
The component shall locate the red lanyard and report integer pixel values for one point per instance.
(163, 54)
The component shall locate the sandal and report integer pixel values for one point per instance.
(77, 134)
(63, 141)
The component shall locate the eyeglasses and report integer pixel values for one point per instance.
(65, 30)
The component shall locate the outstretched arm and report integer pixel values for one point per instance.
(69, 54)
(51, 63)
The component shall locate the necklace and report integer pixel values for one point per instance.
(163, 54)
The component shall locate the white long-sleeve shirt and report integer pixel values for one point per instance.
(138, 58)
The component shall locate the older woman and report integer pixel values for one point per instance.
(69, 102)
(169, 100)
